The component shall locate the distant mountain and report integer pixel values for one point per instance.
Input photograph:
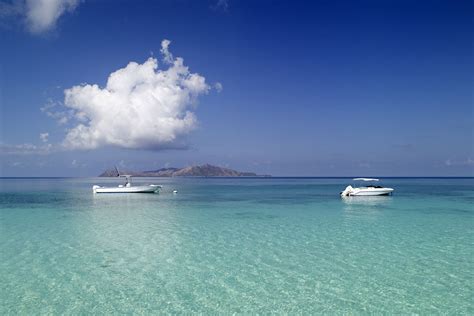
(109, 173)
(206, 170)
(163, 172)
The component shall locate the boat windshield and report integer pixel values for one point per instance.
(369, 185)
(365, 179)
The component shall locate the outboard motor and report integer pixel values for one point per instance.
(347, 191)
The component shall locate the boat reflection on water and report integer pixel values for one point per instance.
(365, 208)
(123, 201)
(367, 200)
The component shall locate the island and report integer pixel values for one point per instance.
(205, 170)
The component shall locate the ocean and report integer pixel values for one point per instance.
(236, 245)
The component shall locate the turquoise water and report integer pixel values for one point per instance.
(236, 246)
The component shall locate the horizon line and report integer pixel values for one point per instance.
(246, 177)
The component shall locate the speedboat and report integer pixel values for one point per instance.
(369, 190)
(127, 187)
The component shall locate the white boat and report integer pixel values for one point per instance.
(369, 190)
(127, 187)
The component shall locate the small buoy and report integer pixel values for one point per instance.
(175, 191)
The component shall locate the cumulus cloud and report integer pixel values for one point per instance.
(140, 107)
(39, 15)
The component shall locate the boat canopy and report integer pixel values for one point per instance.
(365, 179)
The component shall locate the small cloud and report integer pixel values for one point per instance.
(39, 15)
(221, 5)
(77, 164)
(26, 149)
(52, 109)
(364, 165)
(42, 15)
(453, 163)
(167, 56)
(218, 86)
(44, 137)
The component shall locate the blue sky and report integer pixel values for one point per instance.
(320, 88)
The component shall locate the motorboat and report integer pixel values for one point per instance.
(368, 190)
(127, 187)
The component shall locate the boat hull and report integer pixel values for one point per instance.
(132, 189)
(371, 192)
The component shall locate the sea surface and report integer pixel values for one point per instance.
(231, 245)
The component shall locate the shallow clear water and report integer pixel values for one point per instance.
(236, 246)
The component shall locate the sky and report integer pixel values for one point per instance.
(287, 88)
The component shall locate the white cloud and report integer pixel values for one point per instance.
(44, 137)
(25, 149)
(77, 164)
(141, 106)
(467, 162)
(52, 110)
(42, 15)
(221, 5)
(218, 86)
(167, 56)
(39, 15)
